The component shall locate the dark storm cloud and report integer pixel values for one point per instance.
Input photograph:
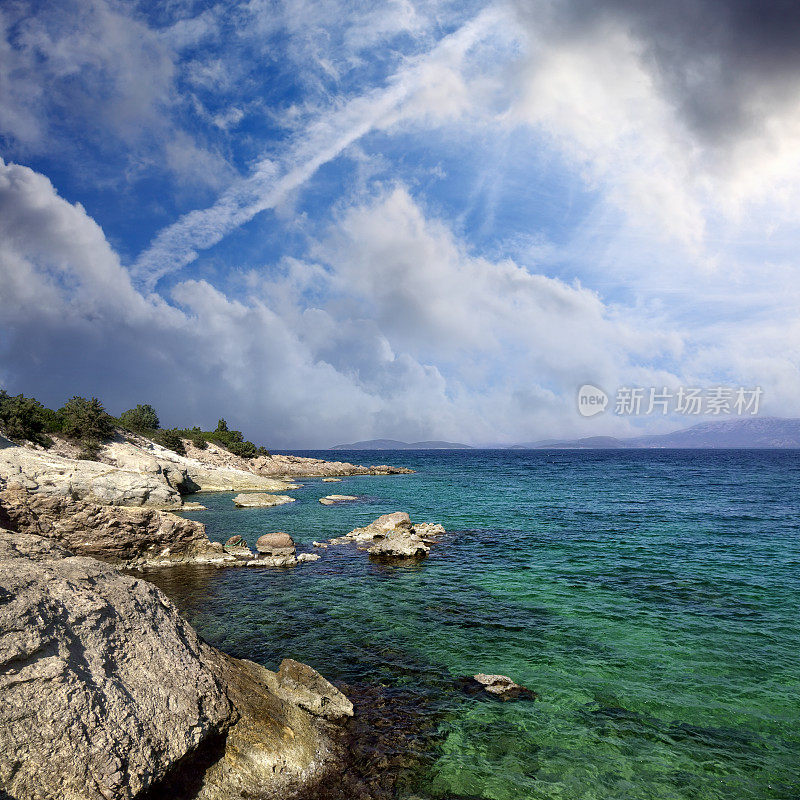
(724, 65)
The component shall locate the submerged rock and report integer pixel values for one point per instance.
(502, 686)
(303, 686)
(335, 499)
(261, 500)
(109, 693)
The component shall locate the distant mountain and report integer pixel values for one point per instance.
(752, 432)
(393, 444)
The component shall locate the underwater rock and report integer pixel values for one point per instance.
(335, 499)
(261, 500)
(502, 686)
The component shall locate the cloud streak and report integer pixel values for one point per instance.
(324, 139)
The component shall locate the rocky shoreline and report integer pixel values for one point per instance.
(83, 715)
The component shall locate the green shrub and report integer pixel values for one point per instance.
(141, 419)
(86, 420)
(90, 449)
(171, 439)
(222, 426)
(24, 419)
(196, 437)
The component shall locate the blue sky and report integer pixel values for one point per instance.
(334, 221)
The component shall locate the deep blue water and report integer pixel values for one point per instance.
(649, 597)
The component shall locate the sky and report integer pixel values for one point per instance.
(332, 221)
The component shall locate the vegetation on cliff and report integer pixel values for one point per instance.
(87, 423)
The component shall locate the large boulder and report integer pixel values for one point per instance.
(108, 693)
(275, 544)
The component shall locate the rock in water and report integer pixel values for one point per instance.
(331, 480)
(503, 687)
(303, 686)
(334, 499)
(398, 544)
(261, 500)
(275, 544)
(107, 693)
(237, 546)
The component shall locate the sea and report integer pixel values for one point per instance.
(648, 597)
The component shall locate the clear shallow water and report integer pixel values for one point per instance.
(649, 597)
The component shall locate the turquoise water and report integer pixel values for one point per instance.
(649, 597)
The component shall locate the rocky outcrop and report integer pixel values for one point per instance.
(301, 467)
(336, 499)
(331, 480)
(136, 538)
(123, 536)
(261, 500)
(107, 692)
(138, 473)
(303, 686)
(393, 536)
(147, 482)
(211, 470)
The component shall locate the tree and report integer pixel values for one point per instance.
(24, 419)
(171, 439)
(222, 426)
(143, 418)
(85, 420)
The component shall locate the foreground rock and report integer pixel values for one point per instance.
(108, 693)
(503, 687)
(393, 536)
(261, 500)
(336, 499)
(303, 686)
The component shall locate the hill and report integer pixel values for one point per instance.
(752, 432)
(394, 444)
